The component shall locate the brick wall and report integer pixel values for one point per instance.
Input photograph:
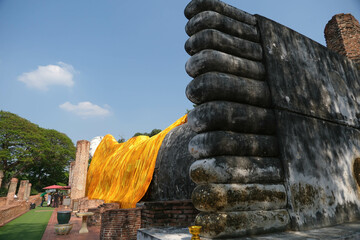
(3, 201)
(168, 213)
(9, 213)
(120, 224)
(35, 199)
(95, 220)
(342, 34)
(85, 204)
(16, 209)
(124, 223)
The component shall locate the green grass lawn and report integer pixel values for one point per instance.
(30, 226)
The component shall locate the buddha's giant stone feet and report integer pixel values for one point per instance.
(238, 173)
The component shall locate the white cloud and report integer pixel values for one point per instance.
(44, 76)
(86, 109)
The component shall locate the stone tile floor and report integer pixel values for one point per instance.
(346, 231)
(49, 234)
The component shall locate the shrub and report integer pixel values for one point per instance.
(3, 192)
(34, 191)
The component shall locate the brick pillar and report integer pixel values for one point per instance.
(22, 189)
(80, 170)
(120, 224)
(1, 177)
(27, 191)
(342, 34)
(12, 190)
(71, 171)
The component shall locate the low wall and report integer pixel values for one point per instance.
(85, 204)
(2, 201)
(120, 224)
(16, 208)
(95, 220)
(35, 199)
(124, 223)
(9, 213)
(168, 213)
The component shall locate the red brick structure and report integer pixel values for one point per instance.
(124, 223)
(22, 189)
(1, 176)
(342, 34)
(71, 172)
(120, 224)
(95, 220)
(168, 214)
(79, 171)
(3, 201)
(8, 213)
(85, 204)
(27, 191)
(12, 190)
(18, 208)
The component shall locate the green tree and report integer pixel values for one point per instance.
(152, 133)
(33, 153)
(51, 166)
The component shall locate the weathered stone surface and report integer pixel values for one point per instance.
(171, 180)
(79, 172)
(216, 40)
(220, 143)
(234, 169)
(307, 78)
(22, 189)
(230, 116)
(11, 191)
(71, 172)
(238, 197)
(27, 191)
(213, 20)
(215, 61)
(320, 88)
(315, 93)
(213, 86)
(318, 160)
(1, 176)
(197, 6)
(235, 224)
(346, 231)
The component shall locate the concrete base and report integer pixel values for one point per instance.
(170, 233)
(347, 231)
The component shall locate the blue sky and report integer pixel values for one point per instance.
(89, 68)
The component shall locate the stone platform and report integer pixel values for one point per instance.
(348, 231)
(170, 233)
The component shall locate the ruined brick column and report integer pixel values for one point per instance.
(71, 173)
(342, 34)
(79, 171)
(1, 177)
(22, 189)
(12, 190)
(27, 191)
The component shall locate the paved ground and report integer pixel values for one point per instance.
(346, 231)
(49, 234)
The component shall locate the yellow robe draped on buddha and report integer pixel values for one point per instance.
(122, 172)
